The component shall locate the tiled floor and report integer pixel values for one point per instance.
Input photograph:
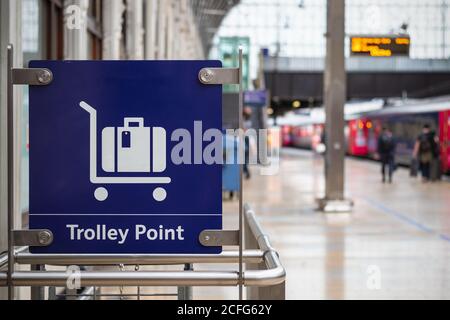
(395, 244)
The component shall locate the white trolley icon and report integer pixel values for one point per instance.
(127, 150)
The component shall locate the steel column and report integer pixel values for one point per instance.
(186, 292)
(11, 182)
(335, 98)
(241, 175)
(37, 293)
(10, 32)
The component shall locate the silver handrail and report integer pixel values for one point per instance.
(4, 256)
(273, 275)
(250, 256)
(275, 269)
(124, 278)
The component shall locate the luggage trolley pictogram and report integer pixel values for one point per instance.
(127, 149)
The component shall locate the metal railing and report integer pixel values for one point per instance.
(264, 276)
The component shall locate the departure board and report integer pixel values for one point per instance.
(380, 46)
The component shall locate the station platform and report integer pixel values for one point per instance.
(394, 245)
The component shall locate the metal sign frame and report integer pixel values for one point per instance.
(207, 76)
(28, 76)
(224, 76)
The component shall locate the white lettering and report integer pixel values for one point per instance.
(162, 233)
(72, 230)
(119, 235)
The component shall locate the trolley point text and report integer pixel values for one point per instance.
(141, 232)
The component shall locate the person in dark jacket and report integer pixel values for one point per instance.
(425, 150)
(386, 153)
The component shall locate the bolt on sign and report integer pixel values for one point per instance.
(118, 157)
(380, 46)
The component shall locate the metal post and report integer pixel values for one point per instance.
(241, 180)
(185, 292)
(71, 294)
(37, 293)
(10, 119)
(52, 293)
(335, 97)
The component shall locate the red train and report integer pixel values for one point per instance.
(363, 129)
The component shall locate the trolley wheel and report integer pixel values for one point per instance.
(101, 194)
(159, 194)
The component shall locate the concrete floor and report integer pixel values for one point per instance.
(394, 245)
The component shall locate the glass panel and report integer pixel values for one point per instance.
(296, 28)
(32, 47)
(30, 26)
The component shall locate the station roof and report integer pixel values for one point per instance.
(358, 64)
(209, 15)
(367, 78)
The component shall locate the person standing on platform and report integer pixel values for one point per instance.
(424, 151)
(386, 154)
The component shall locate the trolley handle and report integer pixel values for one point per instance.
(129, 121)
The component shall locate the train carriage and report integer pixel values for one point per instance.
(406, 122)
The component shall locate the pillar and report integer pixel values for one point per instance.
(335, 98)
(162, 28)
(10, 32)
(112, 28)
(75, 29)
(135, 29)
(151, 22)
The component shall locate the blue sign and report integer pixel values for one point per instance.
(256, 98)
(103, 136)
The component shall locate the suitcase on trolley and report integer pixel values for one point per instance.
(133, 148)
